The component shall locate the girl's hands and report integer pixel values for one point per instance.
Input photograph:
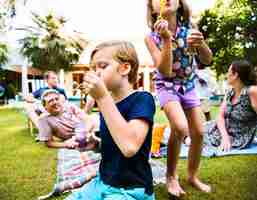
(94, 85)
(91, 137)
(71, 143)
(195, 39)
(161, 26)
(90, 129)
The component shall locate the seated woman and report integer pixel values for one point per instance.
(237, 121)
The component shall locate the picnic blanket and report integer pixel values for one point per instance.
(159, 168)
(209, 151)
(75, 168)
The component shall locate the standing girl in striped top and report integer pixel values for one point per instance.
(175, 46)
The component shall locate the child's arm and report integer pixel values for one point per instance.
(128, 135)
(205, 53)
(163, 58)
(196, 40)
(89, 104)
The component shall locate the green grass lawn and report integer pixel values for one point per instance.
(28, 169)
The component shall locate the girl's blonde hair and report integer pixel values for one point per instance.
(125, 52)
(183, 13)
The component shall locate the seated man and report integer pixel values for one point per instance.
(65, 125)
(51, 79)
(34, 109)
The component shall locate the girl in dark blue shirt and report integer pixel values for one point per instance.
(125, 128)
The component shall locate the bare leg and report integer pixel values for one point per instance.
(30, 110)
(179, 129)
(196, 134)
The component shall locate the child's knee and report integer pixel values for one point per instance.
(181, 130)
(197, 135)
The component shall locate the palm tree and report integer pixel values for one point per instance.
(48, 47)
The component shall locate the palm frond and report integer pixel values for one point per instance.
(47, 46)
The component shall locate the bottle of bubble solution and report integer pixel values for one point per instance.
(80, 134)
(191, 50)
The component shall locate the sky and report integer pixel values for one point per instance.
(105, 19)
(99, 19)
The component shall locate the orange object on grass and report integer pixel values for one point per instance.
(158, 131)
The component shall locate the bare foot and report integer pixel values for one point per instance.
(173, 186)
(195, 182)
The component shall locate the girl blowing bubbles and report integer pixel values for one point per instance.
(126, 122)
(175, 48)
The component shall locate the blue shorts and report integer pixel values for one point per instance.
(97, 190)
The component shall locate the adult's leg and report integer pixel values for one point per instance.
(196, 133)
(179, 128)
(30, 109)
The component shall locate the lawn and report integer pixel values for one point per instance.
(28, 168)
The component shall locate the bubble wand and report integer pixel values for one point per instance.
(162, 6)
(191, 50)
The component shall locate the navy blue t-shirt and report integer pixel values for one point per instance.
(38, 93)
(116, 169)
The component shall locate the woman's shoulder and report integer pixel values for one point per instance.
(253, 96)
(252, 91)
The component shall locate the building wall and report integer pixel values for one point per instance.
(145, 79)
